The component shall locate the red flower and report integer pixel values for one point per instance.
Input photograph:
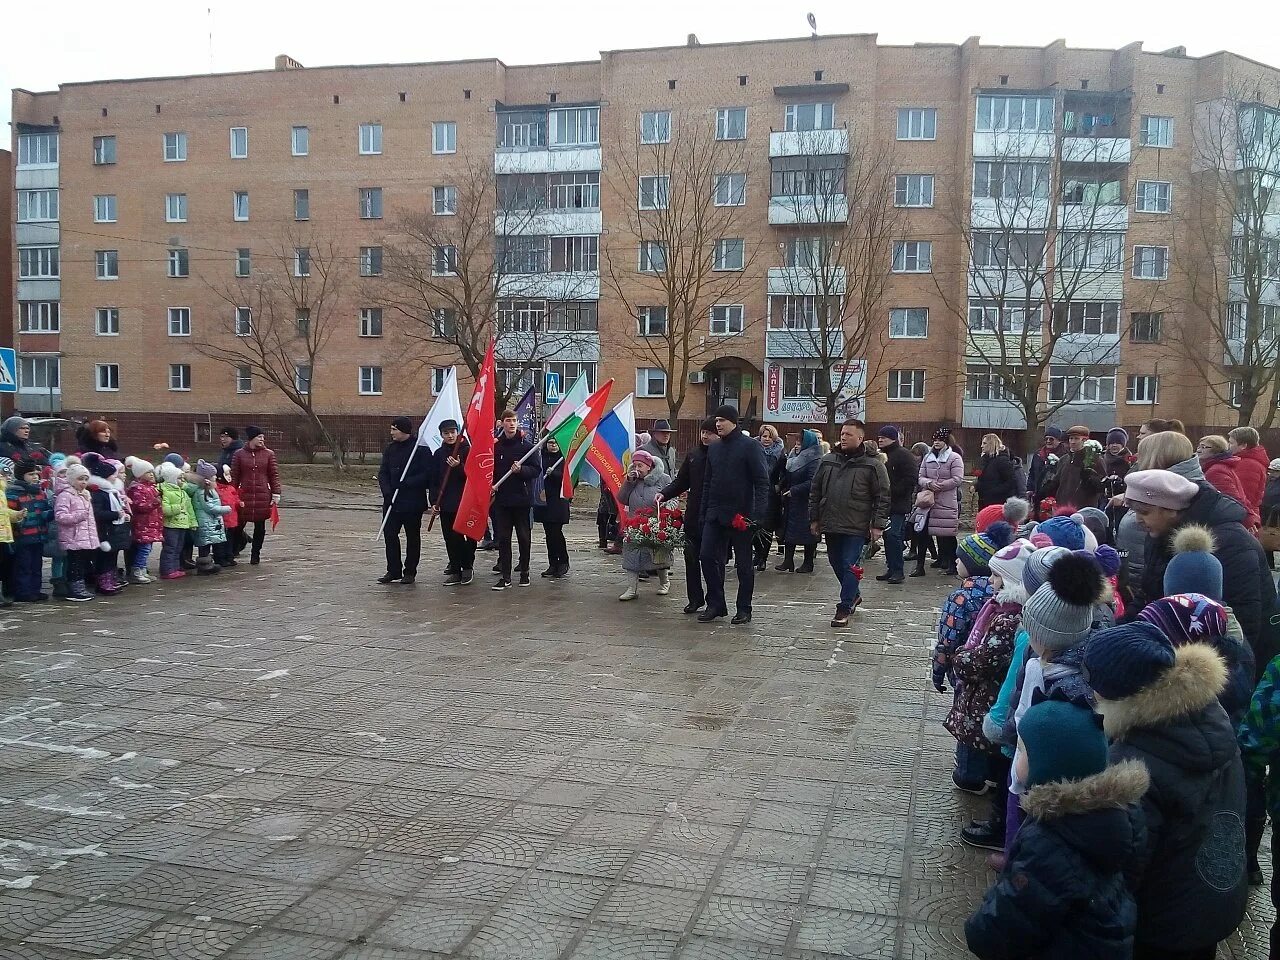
(739, 522)
(677, 523)
(675, 514)
(857, 570)
(662, 535)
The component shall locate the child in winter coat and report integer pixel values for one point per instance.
(209, 512)
(52, 478)
(1062, 893)
(77, 531)
(8, 517)
(26, 496)
(112, 517)
(148, 521)
(179, 518)
(224, 554)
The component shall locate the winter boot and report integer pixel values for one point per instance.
(60, 587)
(633, 588)
(75, 590)
(664, 582)
(807, 566)
(205, 565)
(107, 584)
(788, 564)
(138, 575)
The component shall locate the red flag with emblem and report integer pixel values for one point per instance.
(473, 508)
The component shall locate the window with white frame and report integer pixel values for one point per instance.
(521, 316)
(1156, 132)
(998, 249)
(822, 178)
(1145, 327)
(1259, 323)
(370, 321)
(913, 256)
(444, 136)
(574, 127)
(444, 201)
(651, 321)
(179, 262)
(913, 190)
(730, 253)
(804, 253)
(803, 383)
(444, 260)
(39, 316)
(104, 208)
(300, 141)
(573, 316)
(239, 143)
(988, 316)
(1015, 114)
(983, 383)
(578, 254)
(175, 208)
(302, 261)
(1142, 388)
(655, 126)
(909, 323)
(244, 321)
(179, 321)
(1092, 251)
(570, 370)
(38, 263)
(1093, 317)
(244, 378)
(302, 322)
(655, 192)
(240, 205)
(651, 382)
(571, 191)
(107, 263)
(370, 138)
(302, 378)
(37, 205)
(444, 323)
(42, 373)
(523, 255)
(653, 256)
(1011, 180)
(514, 379)
(370, 381)
(808, 116)
(175, 147)
(1155, 196)
(370, 203)
(1082, 384)
(180, 376)
(917, 123)
(104, 151)
(793, 312)
(1256, 256)
(438, 377)
(906, 385)
(726, 319)
(370, 261)
(37, 149)
(730, 189)
(302, 204)
(1150, 263)
(731, 123)
(106, 376)
(244, 261)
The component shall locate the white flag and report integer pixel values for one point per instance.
(446, 407)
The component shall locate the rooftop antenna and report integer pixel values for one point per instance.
(813, 24)
(209, 12)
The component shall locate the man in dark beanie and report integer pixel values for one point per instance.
(735, 494)
(689, 480)
(230, 440)
(402, 478)
(903, 472)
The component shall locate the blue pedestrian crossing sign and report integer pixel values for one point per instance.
(8, 370)
(551, 389)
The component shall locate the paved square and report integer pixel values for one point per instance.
(290, 761)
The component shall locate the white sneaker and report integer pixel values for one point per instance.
(664, 584)
(630, 593)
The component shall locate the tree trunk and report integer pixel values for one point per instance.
(331, 441)
(1248, 405)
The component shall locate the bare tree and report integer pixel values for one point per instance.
(680, 245)
(280, 320)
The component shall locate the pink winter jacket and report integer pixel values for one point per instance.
(74, 513)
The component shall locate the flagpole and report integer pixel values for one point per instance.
(435, 507)
(395, 493)
(520, 463)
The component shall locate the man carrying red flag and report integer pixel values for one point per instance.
(473, 507)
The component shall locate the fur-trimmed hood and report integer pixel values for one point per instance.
(1099, 817)
(1191, 684)
(1114, 788)
(1013, 593)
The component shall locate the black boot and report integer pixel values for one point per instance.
(789, 560)
(807, 566)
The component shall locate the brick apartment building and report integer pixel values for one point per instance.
(141, 205)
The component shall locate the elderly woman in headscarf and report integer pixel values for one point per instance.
(797, 475)
(645, 480)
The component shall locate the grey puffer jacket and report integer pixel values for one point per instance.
(850, 493)
(636, 495)
(1131, 539)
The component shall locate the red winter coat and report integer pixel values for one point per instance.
(1223, 475)
(230, 497)
(1252, 474)
(256, 475)
(148, 520)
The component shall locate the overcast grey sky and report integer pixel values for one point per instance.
(92, 40)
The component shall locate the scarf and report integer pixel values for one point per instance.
(802, 459)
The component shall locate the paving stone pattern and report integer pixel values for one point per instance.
(289, 761)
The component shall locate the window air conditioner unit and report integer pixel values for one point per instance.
(698, 376)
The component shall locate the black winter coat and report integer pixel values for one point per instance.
(412, 497)
(995, 483)
(689, 479)
(904, 471)
(551, 507)
(449, 496)
(517, 491)
(736, 481)
(1076, 484)
(797, 483)
(16, 449)
(1037, 474)
(229, 451)
(1062, 893)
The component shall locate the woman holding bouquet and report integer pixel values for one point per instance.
(636, 496)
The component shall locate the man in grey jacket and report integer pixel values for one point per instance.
(849, 504)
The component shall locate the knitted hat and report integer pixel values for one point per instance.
(175, 459)
(14, 424)
(231, 432)
(77, 471)
(1069, 532)
(1107, 557)
(206, 470)
(403, 424)
(1016, 511)
(727, 412)
(1060, 613)
(1160, 488)
(250, 432)
(23, 467)
(942, 433)
(1063, 741)
(976, 551)
(57, 459)
(1038, 564)
(1054, 432)
(1193, 567)
(987, 516)
(99, 466)
(1187, 618)
(809, 438)
(1120, 661)
(1010, 562)
(708, 424)
(889, 432)
(1117, 435)
(1096, 521)
(167, 472)
(1274, 465)
(640, 456)
(6, 466)
(140, 468)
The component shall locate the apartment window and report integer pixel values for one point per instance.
(653, 257)
(817, 177)
(804, 253)
(107, 376)
(302, 378)
(917, 123)
(370, 321)
(244, 321)
(1145, 327)
(913, 190)
(302, 322)
(572, 316)
(1094, 317)
(731, 123)
(522, 255)
(521, 316)
(651, 382)
(444, 136)
(39, 316)
(909, 323)
(302, 261)
(726, 319)
(1155, 196)
(522, 129)
(981, 383)
(1256, 256)
(1141, 388)
(515, 378)
(106, 322)
(730, 189)
(104, 208)
(300, 141)
(570, 370)
(1011, 180)
(913, 256)
(175, 208)
(1096, 251)
(37, 149)
(1015, 114)
(1156, 132)
(244, 261)
(1150, 263)
(108, 264)
(444, 323)
(652, 321)
(38, 263)
(987, 316)
(370, 381)
(244, 379)
(1236, 392)
(999, 250)
(104, 151)
(655, 126)
(906, 385)
(1079, 384)
(179, 262)
(655, 193)
(438, 377)
(370, 138)
(1259, 324)
(302, 204)
(444, 260)
(574, 191)
(444, 200)
(803, 383)
(239, 143)
(370, 203)
(179, 321)
(370, 261)
(37, 205)
(175, 147)
(179, 376)
(240, 205)
(574, 127)
(804, 116)
(575, 254)
(794, 312)
(730, 254)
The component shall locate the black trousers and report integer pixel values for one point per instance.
(259, 536)
(505, 521)
(460, 550)
(717, 543)
(693, 572)
(557, 548)
(411, 523)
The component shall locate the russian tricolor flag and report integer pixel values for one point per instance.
(612, 444)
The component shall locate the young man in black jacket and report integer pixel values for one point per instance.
(690, 478)
(513, 500)
(903, 472)
(448, 476)
(403, 478)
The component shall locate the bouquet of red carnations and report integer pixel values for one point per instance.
(653, 529)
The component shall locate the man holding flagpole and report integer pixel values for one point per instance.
(513, 500)
(402, 478)
(448, 466)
